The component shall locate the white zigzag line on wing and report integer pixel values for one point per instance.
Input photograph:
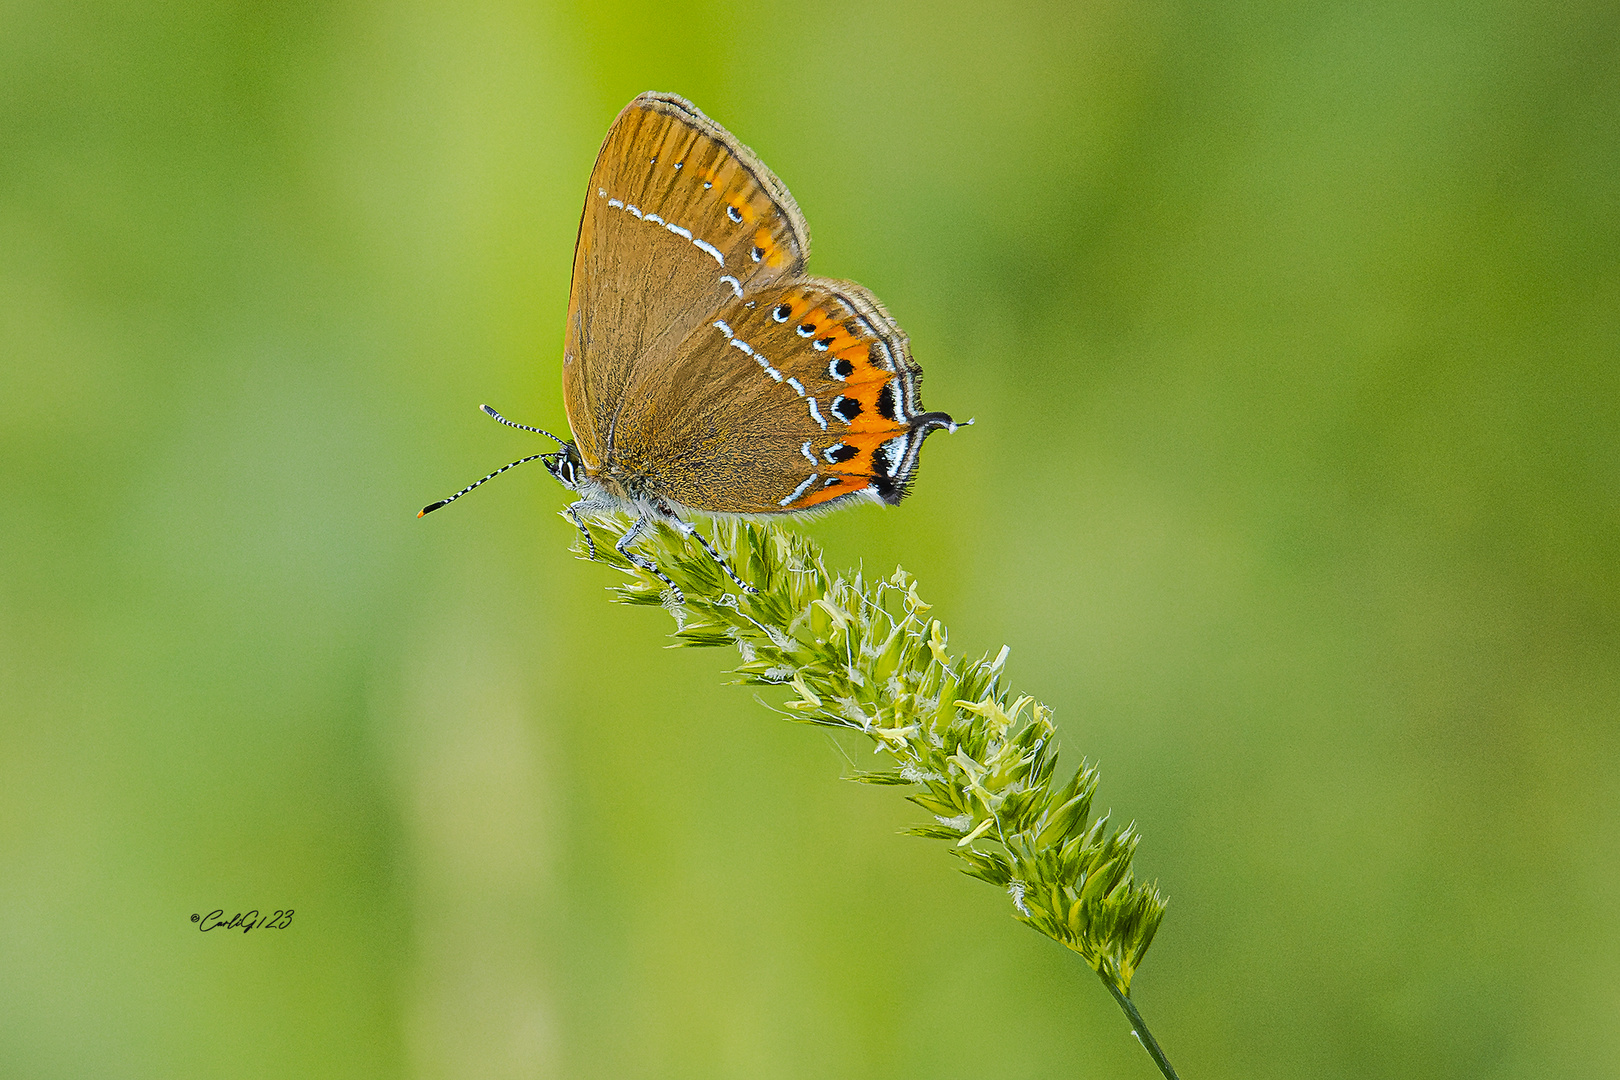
(697, 241)
(798, 490)
(738, 343)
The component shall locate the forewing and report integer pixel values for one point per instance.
(679, 217)
(788, 398)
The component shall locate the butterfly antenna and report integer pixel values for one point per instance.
(428, 509)
(521, 427)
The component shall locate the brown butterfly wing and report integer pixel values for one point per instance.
(789, 398)
(679, 218)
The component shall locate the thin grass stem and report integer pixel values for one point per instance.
(1143, 1035)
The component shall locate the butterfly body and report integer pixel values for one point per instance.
(703, 370)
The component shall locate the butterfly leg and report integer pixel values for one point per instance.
(686, 528)
(590, 544)
(623, 548)
(588, 507)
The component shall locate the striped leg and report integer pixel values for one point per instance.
(686, 528)
(588, 507)
(623, 548)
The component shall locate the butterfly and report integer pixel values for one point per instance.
(703, 369)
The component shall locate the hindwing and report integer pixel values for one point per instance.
(789, 398)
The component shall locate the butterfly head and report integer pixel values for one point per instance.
(567, 466)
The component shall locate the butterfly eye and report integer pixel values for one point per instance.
(806, 330)
(846, 408)
(822, 343)
(733, 213)
(781, 312)
(840, 369)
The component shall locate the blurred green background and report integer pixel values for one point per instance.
(1293, 336)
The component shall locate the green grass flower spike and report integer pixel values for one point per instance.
(865, 655)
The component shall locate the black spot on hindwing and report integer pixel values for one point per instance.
(885, 401)
(880, 461)
(839, 453)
